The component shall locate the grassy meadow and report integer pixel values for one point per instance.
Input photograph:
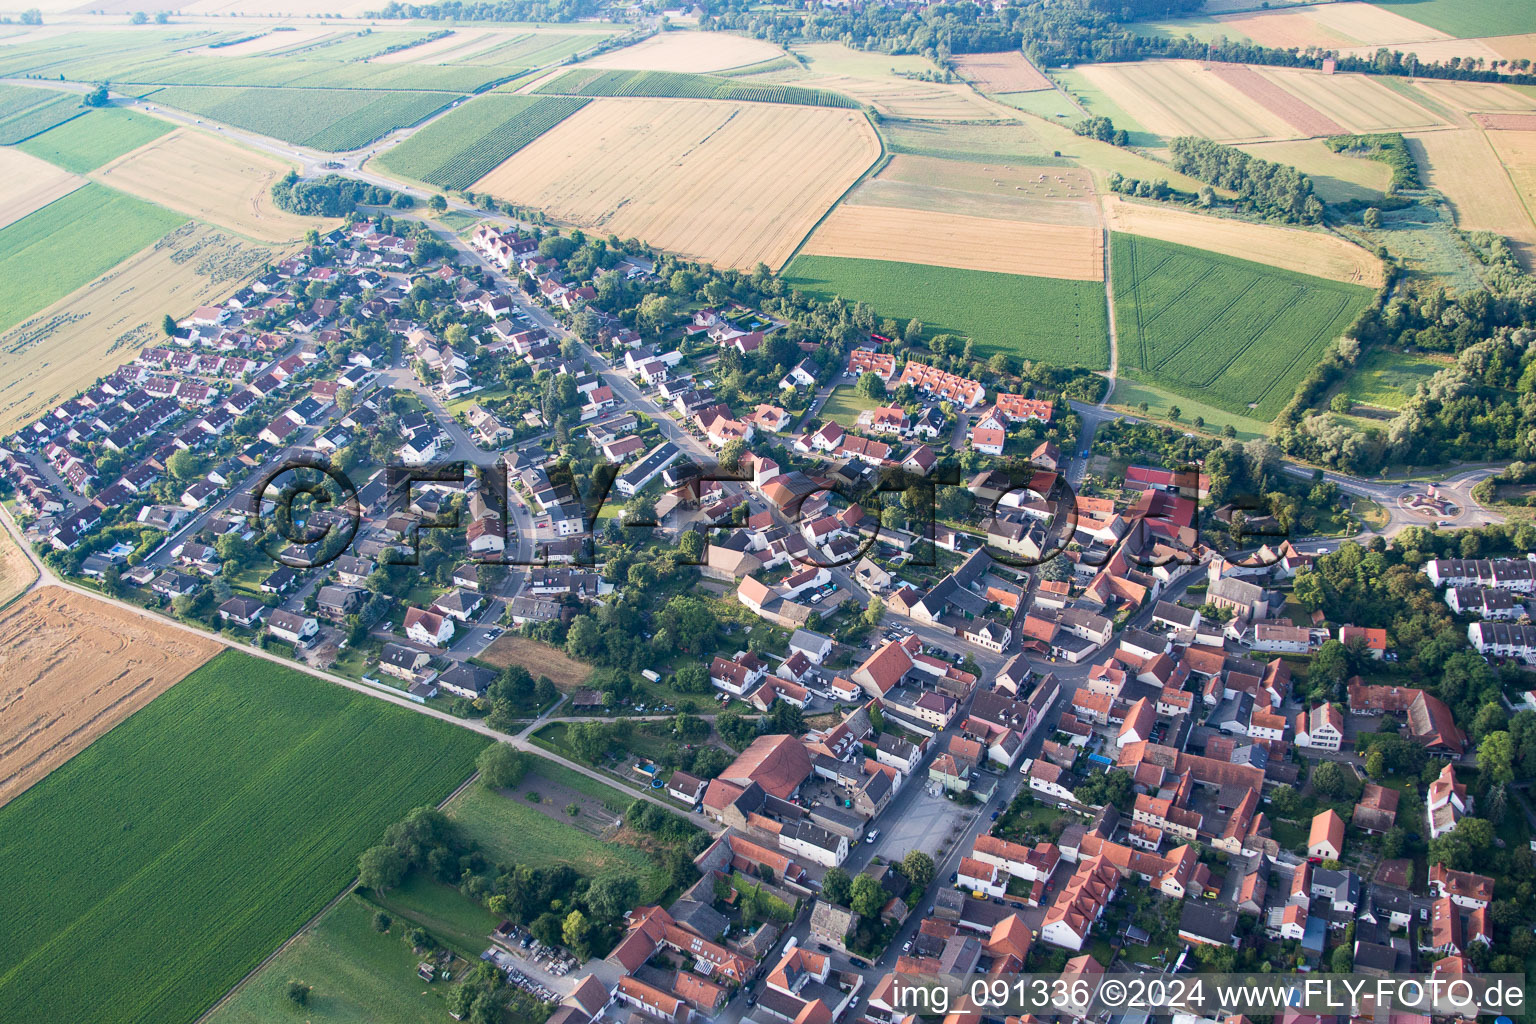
(145, 877)
(1228, 332)
(1061, 322)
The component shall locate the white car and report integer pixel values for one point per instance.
(874, 834)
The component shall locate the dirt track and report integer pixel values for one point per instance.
(70, 669)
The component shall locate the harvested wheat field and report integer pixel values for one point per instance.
(72, 667)
(1522, 47)
(427, 53)
(1470, 97)
(60, 351)
(1358, 102)
(688, 51)
(212, 179)
(1300, 115)
(263, 43)
(876, 79)
(539, 658)
(1463, 165)
(1043, 195)
(1506, 122)
(1010, 71)
(28, 183)
(1517, 150)
(1070, 252)
(16, 569)
(1329, 26)
(1181, 97)
(1306, 252)
(731, 183)
(1434, 50)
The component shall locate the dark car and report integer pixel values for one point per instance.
(953, 877)
(859, 962)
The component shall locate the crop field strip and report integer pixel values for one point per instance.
(1358, 102)
(334, 120)
(85, 143)
(28, 183)
(1230, 332)
(58, 351)
(466, 144)
(672, 172)
(1071, 251)
(1172, 98)
(25, 113)
(1056, 321)
(685, 86)
(54, 250)
(1002, 72)
(1463, 19)
(1465, 165)
(1313, 253)
(1330, 26)
(691, 52)
(213, 179)
(199, 834)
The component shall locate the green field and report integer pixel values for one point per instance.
(1234, 334)
(1048, 103)
(101, 136)
(512, 831)
(1466, 19)
(359, 976)
(601, 82)
(51, 252)
(27, 112)
(844, 405)
(147, 875)
(1129, 394)
(1060, 322)
(464, 146)
(1387, 380)
(334, 120)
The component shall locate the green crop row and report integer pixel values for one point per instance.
(596, 82)
(465, 145)
(1040, 318)
(1236, 334)
(334, 120)
(158, 866)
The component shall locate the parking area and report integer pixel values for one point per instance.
(927, 824)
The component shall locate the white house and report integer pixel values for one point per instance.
(427, 627)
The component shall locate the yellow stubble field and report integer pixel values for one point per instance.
(1073, 252)
(731, 183)
(1464, 165)
(1470, 97)
(28, 183)
(688, 51)
(1358, 102)
(1329, 26)
(60, 351)
(212, 179)
(1181, 97)
(1002, 72)
(1306, 252)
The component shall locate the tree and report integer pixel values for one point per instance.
(187, 464)
(875, 612)
(437, 204)
(380, 868)
(168, 325)
(574, 932)
(836, 886)
(97, 97)
(382, 921)
(501, 766)
(298, 992)
(1496, 758)
(1371, 218)
(608, 897)
(914, 332)
(1174, 412)
(870, 385)
(1335, 782)
(138, 18)
(918, 867)
(691, 544)
(866, 898)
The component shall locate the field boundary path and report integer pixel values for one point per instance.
(1113, 373)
